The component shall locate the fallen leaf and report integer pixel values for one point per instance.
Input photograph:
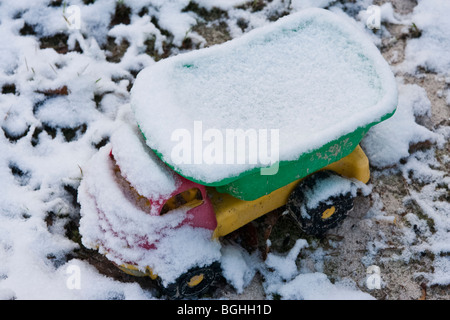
(63, 91)
(423, 286)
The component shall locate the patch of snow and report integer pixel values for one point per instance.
(286, 266)
(238, 267)
(283, 278)
(316, 286)
(388, 142)
(431, 49)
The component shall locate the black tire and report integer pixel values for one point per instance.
(326, 215)
(183, 287)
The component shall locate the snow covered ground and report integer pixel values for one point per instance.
(63, 88)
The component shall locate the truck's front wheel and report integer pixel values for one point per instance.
(193, 283)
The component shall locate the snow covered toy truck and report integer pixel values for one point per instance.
(192, 160)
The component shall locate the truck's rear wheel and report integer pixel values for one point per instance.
(327, 213)
(193, 283)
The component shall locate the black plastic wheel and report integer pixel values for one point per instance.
(193, 283)
(327, 214)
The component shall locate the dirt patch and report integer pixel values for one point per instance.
(435, 86)
(213, 33)
(402, 7)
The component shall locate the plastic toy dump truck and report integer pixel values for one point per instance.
(217, 137)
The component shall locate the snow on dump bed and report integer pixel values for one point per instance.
(310, 75)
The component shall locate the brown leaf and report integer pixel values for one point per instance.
(423, 286)
(63, 91)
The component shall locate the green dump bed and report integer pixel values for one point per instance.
(258, 112)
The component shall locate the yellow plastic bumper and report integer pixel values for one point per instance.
(134, 271)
